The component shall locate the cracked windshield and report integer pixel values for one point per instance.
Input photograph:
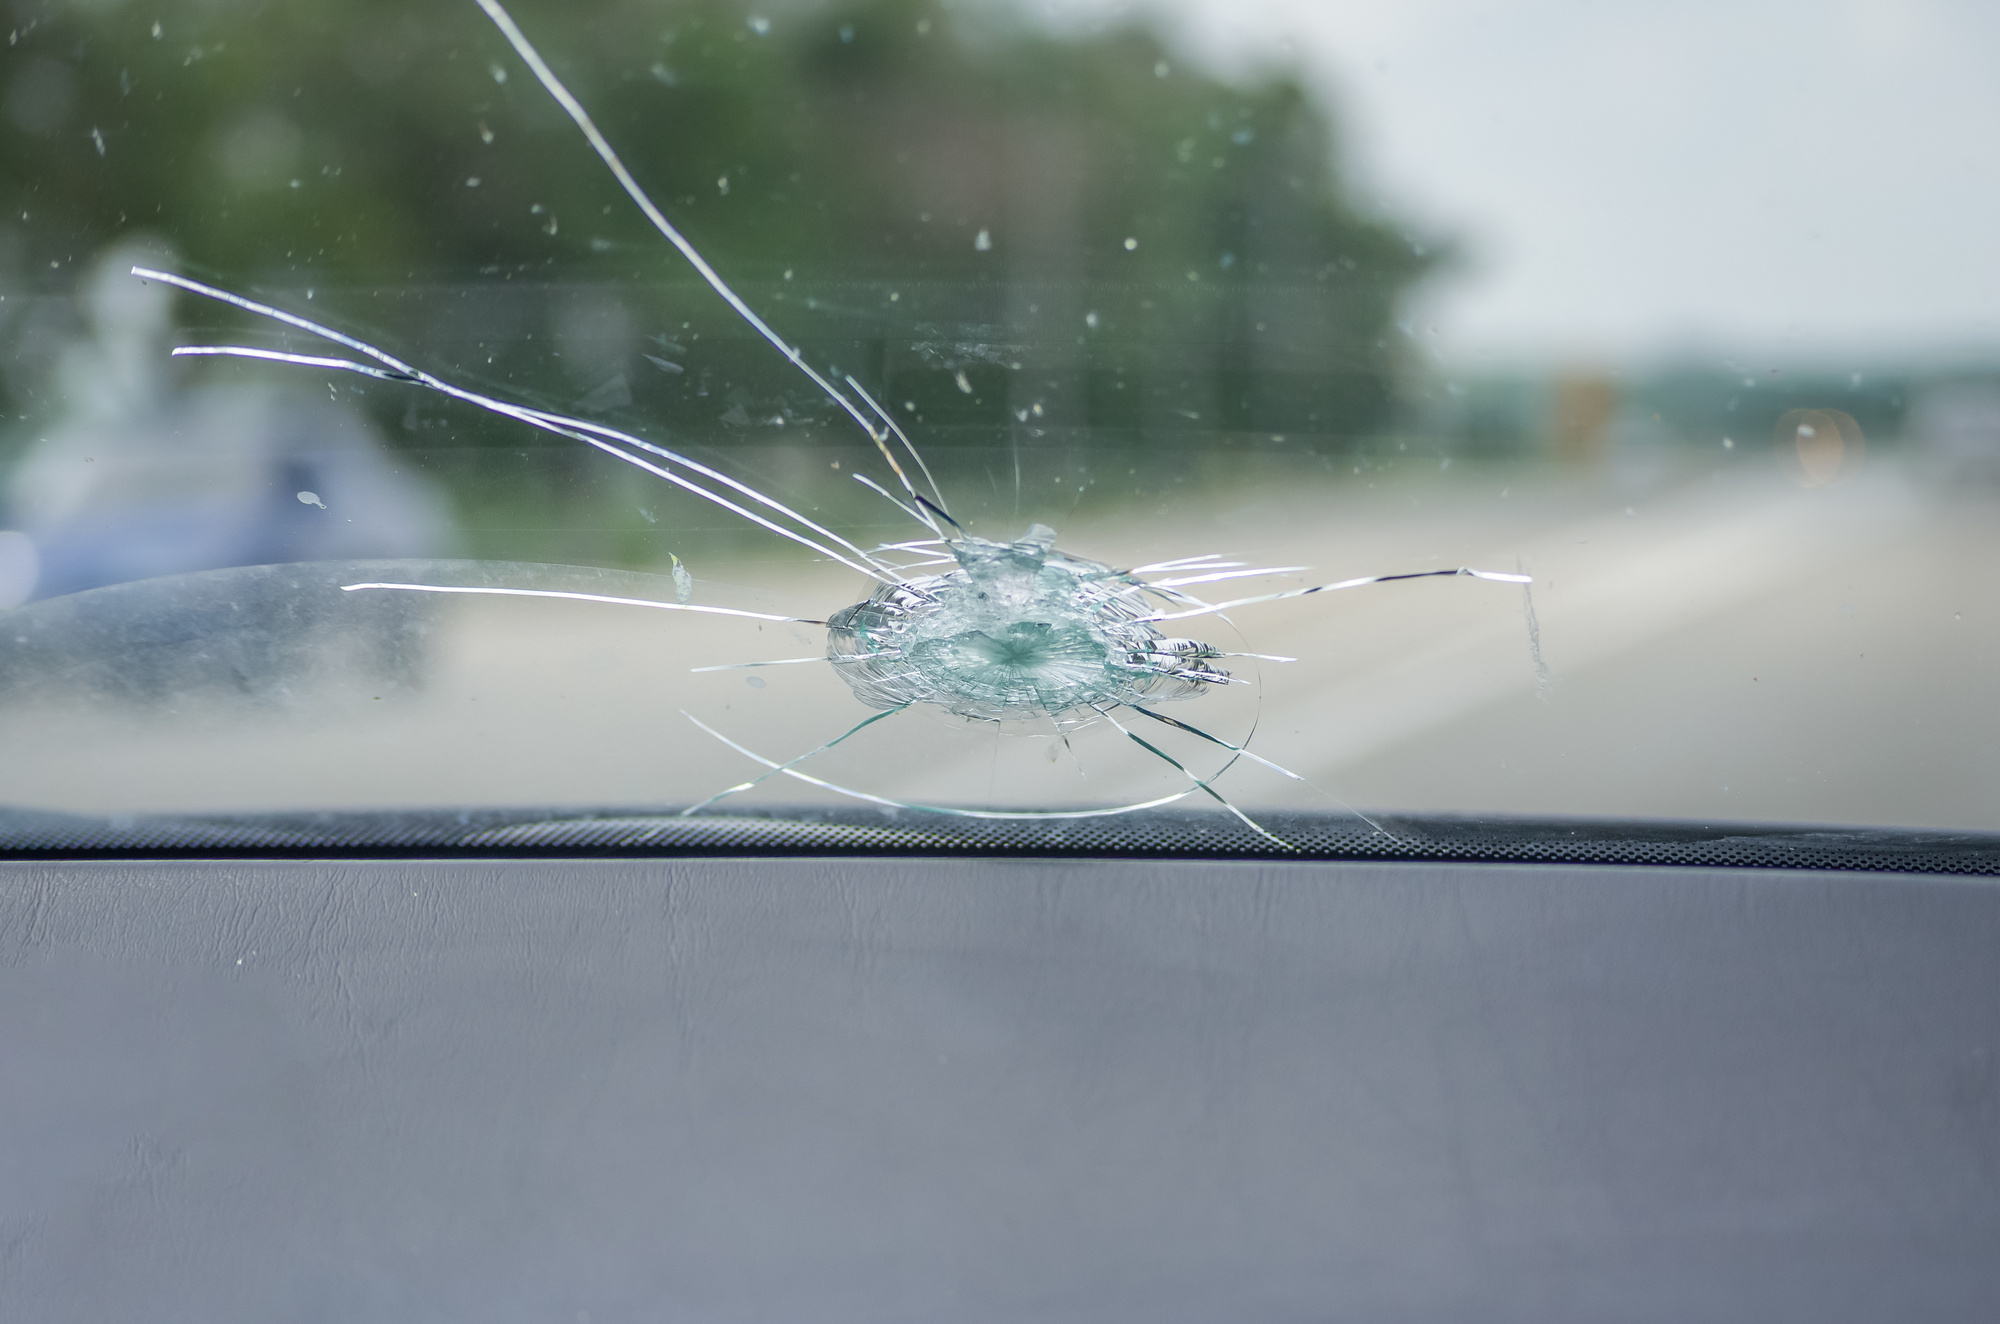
(1002, 410)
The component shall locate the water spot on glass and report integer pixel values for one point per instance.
(311, 499)
(1161, 69)
(754, 682)
(984, 242)
(964, 383)
(722, 186)
(847, 32)
(499, 74)
(1818, 447)
(760, 26)
(1131, 244)
(1090, 320)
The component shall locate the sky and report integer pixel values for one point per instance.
(1636, 180)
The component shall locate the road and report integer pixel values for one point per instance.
(1720, 646)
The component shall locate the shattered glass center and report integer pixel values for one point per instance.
(1018, 631)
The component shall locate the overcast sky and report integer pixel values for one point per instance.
(1783, 179)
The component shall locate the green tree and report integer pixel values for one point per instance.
(935, 193)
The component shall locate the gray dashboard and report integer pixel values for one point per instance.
(947, 1089)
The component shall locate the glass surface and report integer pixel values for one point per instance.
(1688, 313)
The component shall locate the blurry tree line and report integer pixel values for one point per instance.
(1001, 225)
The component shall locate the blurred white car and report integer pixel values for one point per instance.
(141, 477)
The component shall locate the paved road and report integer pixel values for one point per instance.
(1721, 647)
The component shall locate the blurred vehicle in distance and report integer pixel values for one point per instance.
(142, 476)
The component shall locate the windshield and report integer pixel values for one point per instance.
(1001, 412)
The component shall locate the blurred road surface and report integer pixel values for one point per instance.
(1728, 647)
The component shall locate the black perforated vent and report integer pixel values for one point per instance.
(872, 832)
